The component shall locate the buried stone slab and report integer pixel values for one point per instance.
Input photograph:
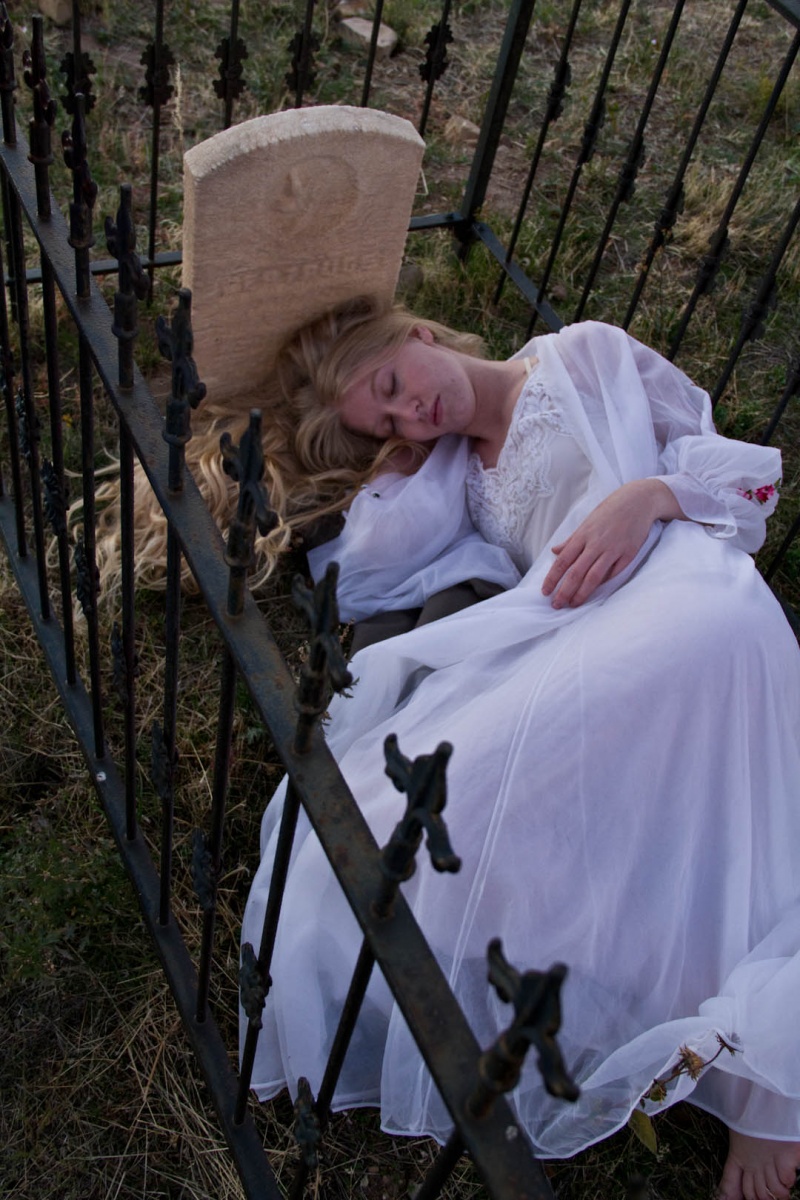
(284, 217)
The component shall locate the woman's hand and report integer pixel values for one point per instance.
(608, 540)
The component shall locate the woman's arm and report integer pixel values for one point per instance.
(608, 540)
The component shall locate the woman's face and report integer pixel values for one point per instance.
(421, 392)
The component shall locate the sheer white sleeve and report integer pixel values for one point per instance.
(407, 537)
(726, 485)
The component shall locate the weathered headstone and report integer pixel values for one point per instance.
(284, 217)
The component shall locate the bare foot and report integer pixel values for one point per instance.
(758, 1169)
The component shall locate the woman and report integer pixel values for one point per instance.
(624, 719)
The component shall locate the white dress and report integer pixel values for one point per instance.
(624, 785)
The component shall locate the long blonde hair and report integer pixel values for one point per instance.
(313, 465)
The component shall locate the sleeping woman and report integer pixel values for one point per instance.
(625, 717)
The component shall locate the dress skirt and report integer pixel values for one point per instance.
(624, 793)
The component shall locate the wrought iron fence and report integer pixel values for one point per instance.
(44, 250)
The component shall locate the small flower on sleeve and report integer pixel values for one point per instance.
(760, 495)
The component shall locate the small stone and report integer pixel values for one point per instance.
(460, 132)
(357, 32)
(410, 280)
(59, 11)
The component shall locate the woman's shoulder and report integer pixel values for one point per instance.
(572, 337)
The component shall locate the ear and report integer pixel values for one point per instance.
(424, 334)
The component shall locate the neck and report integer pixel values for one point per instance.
(497, 388)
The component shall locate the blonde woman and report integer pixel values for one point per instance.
(624, 715)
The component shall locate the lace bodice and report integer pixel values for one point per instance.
(520, 502)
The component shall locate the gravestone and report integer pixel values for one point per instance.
(285, 216)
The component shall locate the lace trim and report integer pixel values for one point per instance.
(500, 498)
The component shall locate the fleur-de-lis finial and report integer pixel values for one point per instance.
(536, 997)
(423, 781)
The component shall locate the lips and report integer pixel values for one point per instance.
(436, 412)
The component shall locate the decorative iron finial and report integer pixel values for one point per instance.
(754, 317)
(562, 78)
(204, 873)
(321, 609)
(77, 69)
(245, 464)
(307, 1130)
(87, 581)
(120, 665)
(44, 107)
(230, 84)
(424, 783)
(84, 189)
(302, 49)
(28, 433)
(134, 282)
(121, 242)
(55, 499)
(436, 61)
(253, 988)
(536, 996)
(637, 156)
(176, 343)
(8, 79)
(325, 667)
(157, 87)
(162, 764)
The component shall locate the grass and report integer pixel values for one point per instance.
(101, 1094)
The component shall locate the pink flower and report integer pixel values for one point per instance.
(759, 495)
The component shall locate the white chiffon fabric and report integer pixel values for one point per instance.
(623, 790)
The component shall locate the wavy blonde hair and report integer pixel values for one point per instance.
(313, 465)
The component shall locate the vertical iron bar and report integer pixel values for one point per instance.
(121, 240)
(719, 239)
(674, 197)
(15, 239)
(513, 44)
(176, 342)
(234, 37)
(222, 757)
(588, 143)
(172, 634)
(754, 315)
(155, 143)
(791, 389)
(341, 1041)
(373, 49)
(128, 624)
(81, 240)
(634, 157)
(277, 883)
(8, 86)
(561, 80)
(7, 386)
(441, 1168)
(305, 54)
(41, 156)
